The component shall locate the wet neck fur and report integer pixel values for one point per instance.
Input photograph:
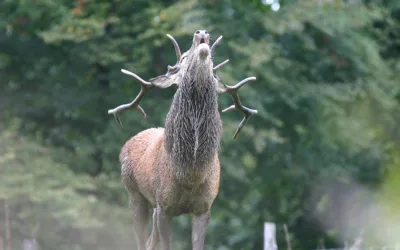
(193, 125)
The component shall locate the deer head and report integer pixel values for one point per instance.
(200, 49)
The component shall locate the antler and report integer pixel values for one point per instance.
(176, 46)
(220, 89)
(145, 87)
(176, 68)
(233, 90)
(215, 44)
(163, 81)
(220, 65)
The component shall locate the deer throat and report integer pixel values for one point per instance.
(193, 126)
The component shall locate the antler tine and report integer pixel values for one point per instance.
(215, 44)
(174, 69)
(220, 65)
(241, 83)
(145, 87)
(177, 49)
(143, 82)
(233, 90)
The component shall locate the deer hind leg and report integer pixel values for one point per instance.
(140, 214)
(199, 228)
(164, 225)
(154, 239)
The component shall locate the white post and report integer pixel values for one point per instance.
(270, 236)
(30, 244)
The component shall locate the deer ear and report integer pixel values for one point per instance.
(165, 81)
(172, 77)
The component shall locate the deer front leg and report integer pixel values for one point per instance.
(199, 229)
(164, 224)
(140, 214)
(154, 239)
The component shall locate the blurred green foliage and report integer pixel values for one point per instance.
(327, 92)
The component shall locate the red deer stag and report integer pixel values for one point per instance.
(176, 170)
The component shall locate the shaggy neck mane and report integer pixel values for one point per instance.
(193, 125)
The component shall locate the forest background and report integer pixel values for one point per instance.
(322, 155)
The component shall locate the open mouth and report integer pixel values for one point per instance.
(202, 41)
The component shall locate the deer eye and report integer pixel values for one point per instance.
(198, 31)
